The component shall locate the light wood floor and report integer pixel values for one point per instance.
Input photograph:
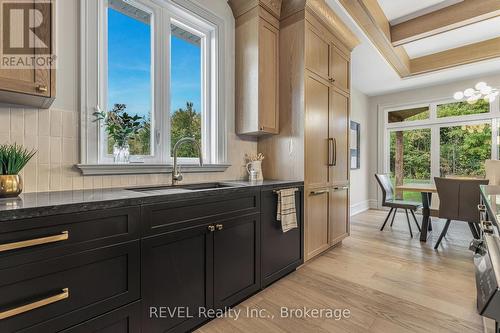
(389, 282)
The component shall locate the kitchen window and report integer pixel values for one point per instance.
(438, 139)
(161, 60)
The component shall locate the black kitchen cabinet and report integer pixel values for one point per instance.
(282, 252)
(190, 271)
(126, 319)
(155, 266)
(176, 279)
(236, 257)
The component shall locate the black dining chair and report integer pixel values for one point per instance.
(458, 200)
(388, 200)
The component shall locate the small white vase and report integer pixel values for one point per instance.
(257, 167)
(121, 154)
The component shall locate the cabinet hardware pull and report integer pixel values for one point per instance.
(211, 228)
(32, 242)
(334, 152)
(42, 88)
(319, 192)
(330, 152)
(341, 188)
(35, 305)
(219, 226)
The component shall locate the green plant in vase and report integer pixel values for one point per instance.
(120, 127)
(13, 158)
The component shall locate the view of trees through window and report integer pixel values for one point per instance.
(130, 77)
(463, 147)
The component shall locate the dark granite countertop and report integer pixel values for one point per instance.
(30, 205)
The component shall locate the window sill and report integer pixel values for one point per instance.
(142, 168)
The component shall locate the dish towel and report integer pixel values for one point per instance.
(286, 211)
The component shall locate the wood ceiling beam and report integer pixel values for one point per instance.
(370, 17)
(467, 54)
(446, 19)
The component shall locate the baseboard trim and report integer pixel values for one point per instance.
(362, 206)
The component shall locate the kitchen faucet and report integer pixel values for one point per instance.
(176, 171)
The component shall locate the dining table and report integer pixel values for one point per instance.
(426, 191)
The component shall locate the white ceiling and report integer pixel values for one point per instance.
(402, 10)
(473, 33)
(372, 75)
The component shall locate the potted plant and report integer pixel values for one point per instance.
(13, 158)
(121, 127)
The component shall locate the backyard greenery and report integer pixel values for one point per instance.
(463, 149)
(184, 123)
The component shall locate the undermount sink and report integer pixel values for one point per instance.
(191, 187)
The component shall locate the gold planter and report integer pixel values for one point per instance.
(10, 186)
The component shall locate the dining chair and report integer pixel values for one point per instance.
(388, 200)
(458, 200)
(492, 169)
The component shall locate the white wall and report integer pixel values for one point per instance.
(360, 178)
(407, 97)
(55, 132)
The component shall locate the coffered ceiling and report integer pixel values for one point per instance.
(423, 36)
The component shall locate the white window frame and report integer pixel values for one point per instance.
(188, 15)
(434, 124)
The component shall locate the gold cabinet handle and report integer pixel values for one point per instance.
(211, 228)
(219, 226)
(319, 192)
(42, 88)
(35, 305)
(33, 242)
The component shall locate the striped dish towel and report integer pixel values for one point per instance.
(286, 212)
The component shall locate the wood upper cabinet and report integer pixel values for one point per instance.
(257, 70)
(29, 85)
(339, 69)
(268, 121)
(339, 135)
(338, 217)
(317, 52)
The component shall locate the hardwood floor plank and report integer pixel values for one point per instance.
(388, 281)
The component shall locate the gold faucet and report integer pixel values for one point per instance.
(176, 171)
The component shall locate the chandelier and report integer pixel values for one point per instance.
(480, 90)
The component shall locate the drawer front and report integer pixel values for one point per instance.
(171, 216)
(57, 293)
(123, 320)
(36, 239)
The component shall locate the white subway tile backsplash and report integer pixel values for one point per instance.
(55, 135)
(56, 123)
(44, 122)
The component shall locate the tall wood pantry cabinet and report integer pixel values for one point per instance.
(313, 142)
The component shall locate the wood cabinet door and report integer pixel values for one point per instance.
(316, 223)
(236, 256)
(339, 132)
(338, 217)
(339, 69)
(177, 272)
(317, 52)
(32, 80)
(268, 78)
(317, 104)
